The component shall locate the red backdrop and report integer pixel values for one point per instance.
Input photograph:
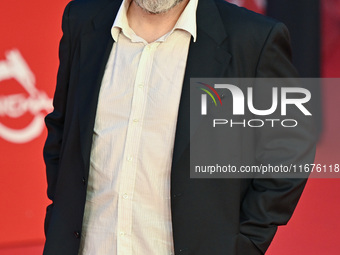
(30, 34)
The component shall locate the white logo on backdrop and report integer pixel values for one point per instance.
(17, 105)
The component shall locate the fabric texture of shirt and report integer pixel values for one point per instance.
(127, 210)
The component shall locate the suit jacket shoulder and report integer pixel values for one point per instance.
(83, 15)
(241, 19)
(258, 39)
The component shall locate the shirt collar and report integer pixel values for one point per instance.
(187, 21)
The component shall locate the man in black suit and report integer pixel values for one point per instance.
(207, 216)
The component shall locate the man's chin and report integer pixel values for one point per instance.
(152, 8)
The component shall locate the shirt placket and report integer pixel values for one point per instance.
(130, 162)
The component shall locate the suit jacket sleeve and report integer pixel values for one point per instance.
(269, 203)
(55, 120)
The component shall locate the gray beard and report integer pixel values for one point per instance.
(157, 6)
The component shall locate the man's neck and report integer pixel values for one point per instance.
(152, 26)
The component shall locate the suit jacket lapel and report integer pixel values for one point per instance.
(207, 57)
(95, 48)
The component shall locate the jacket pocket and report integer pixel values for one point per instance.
(246, 246)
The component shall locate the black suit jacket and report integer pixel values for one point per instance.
(209, 216)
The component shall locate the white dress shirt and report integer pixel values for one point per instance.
(127, 210)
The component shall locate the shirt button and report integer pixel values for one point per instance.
(136, 120)
(121, 233)
(129, 158)
(125, 196)
(76, 234)
(141, 86)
